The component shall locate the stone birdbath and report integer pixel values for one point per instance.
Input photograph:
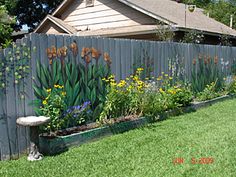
(33, 122)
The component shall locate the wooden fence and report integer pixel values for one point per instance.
(125, 54)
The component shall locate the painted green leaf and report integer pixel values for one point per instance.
(93, 96)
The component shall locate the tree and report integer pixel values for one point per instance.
(164, 32)
(6, 29)
(198, 3)
(32, 12)
(221, 11)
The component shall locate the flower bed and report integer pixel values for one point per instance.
(76, 136)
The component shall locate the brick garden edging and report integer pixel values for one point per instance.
(62, 143)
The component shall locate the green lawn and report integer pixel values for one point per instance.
(150, 151)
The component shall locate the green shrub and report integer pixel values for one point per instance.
(209, 92)
(123, 98)
(231, 88)
(53, 105)
(81, 81)
(205, 71)
(181, 95)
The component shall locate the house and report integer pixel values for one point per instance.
(136, 19)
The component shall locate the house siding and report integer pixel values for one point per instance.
(51, 28)
(104, 14)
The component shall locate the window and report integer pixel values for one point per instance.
(89, 3)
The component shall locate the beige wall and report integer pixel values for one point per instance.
(51, 28)
(104, 14)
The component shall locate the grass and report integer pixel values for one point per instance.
(149, 151)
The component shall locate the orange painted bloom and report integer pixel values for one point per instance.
(51, 53)
(209, 59)
(194, 61)
(85, 51)
(107, 58)
(95, 53)
(87, 59)
(216, 59)
(74, 48)
(54, 51)
(63, 51)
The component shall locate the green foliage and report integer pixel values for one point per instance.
(15, 65)
(221, 11)
(233, 67)
(6, 29)
(209, 92)
(193, 36)
(32, 12)
(232, 87)
(181, 95)
(153, 104)
(225, 40)
(76, 115)
(53, 106)
(123, 98)
(169, 98)
(135, 97)
(205, 71)
(81, 82)
(164, 32)
(198, 3)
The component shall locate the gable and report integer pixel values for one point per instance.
(104, 14)
(51, 28)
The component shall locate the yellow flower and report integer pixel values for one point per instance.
(140, 82)
(44, 102)
(140, 69)
(166, 75)
(111, 77)
(63, 93)
(173, 92)
(136, 78)
(56, 86)
(122, 83)
(49, 90)
(161, 90)
(170, 78)
(112, 80)
(159, 78)
(113, 84)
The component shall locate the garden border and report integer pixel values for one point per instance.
(62, 143)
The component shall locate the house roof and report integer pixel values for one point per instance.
(168, 11)
(60, 23)
(175, 13)
(121, 31)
